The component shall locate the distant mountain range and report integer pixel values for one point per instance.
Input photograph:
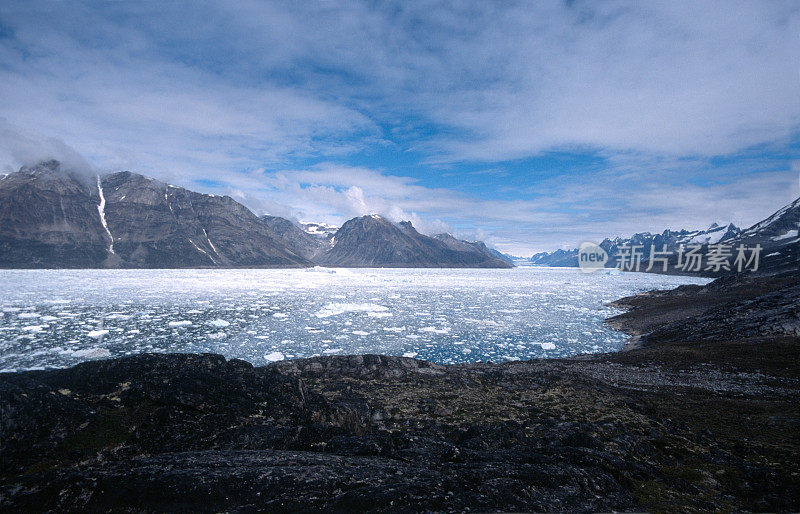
(777, 235)
(51, 217)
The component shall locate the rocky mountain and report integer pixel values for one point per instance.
(372, 241)
(777, 235)
(309, 245)
(53, 217)
(477, 247)
(671, 238)
(49, 218)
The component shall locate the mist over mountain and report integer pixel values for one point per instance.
(52, 216)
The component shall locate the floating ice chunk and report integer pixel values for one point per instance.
(410, 354)
(48, 318)
(332, 350)
(216, 335)
(274, 357)
(219, 323)
(466, 350)
(334, 309)
(97, 333)
(379, 314)
(90, 353)
(360, 333)
(280, 315)
(435, 330)
(28, 315)
(182, 323)
(33, 328)
(547, 346)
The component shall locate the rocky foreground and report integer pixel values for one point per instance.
(700, 413)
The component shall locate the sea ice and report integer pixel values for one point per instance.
(90, 353)
(334, 309)
(274, 356)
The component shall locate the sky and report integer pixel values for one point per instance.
(531, 125)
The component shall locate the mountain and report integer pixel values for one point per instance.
(671, 238)
(49, 218)
(300, 240)
(372, 241)
(777, 235)
(321, 230)
(53, 217)
(478, 248)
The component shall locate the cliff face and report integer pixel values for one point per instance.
(158, 225)
(50, 217)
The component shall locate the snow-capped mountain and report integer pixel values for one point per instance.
(777, 235)
(671, 238)
(322, 230)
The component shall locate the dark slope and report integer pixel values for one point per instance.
(372, 241)
(49, 219)
(53, 218)
(156, 225)
(778, 236)
(300, 241)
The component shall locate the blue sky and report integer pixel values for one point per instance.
(532, 125)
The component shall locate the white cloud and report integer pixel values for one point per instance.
(225, 91)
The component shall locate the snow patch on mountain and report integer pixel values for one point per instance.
(102, 210)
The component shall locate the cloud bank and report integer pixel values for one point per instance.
(445, 114)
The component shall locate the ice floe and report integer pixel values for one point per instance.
(274, 357)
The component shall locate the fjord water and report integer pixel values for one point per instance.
(57, 318)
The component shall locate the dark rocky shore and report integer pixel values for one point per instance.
(700, 413)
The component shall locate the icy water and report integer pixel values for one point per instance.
(57, 318)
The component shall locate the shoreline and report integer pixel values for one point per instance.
(658, 427)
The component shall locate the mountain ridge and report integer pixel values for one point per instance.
(777, 235)
(54, 217)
